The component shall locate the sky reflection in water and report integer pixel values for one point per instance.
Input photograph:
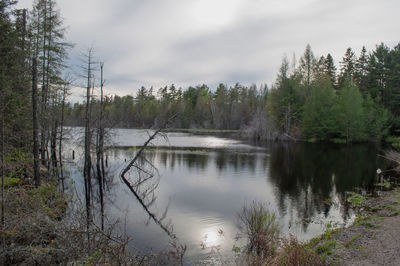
(304, 184)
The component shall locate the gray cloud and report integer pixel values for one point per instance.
(189, 42)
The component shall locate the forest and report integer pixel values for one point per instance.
(313, 99)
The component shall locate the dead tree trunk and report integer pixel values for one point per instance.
(64, 95)
(53, 145)
(55, 122)
(99, 152)
(87, 159)
(35, 120)
(102, 126)
(44, 126)
(2, 168)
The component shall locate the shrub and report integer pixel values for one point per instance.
(295, 253)
(259, 225)
(11, 181)
(355, 199)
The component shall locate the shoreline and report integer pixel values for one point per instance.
(371, 240)
(393, 142)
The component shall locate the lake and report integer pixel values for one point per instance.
(201, 182)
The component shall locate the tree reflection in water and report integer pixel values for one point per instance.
(143, 182)
(142, 179)
(304, 183)
(309, 176)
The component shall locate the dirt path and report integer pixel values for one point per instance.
(374, 239)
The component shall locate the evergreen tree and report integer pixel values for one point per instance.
(348, 111)
(189, 100)
(14, 76)
(361, 72)
(50, 52)
(307, 66)
(220, 107)
(330, 69)
(347, 67)
(393, 82)
(377, 74)
(285, 100)
(202, 108)
(320, 67)
(318, 120)
(376, 120)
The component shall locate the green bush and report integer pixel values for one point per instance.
(393, 141)
(355, 199)
(11, 181)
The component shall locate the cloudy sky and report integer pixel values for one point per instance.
(191, 42)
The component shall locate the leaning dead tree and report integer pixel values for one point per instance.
(144, 186)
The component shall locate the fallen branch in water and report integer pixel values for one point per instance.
(150, 190)
(131, 163)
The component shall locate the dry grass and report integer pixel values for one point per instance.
(30, 228)
(36, 233)
(40, 230)
(265, 245)
(293, 252)
(261, 229)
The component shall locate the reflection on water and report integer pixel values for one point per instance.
(203, 190)
(310, 178)
(124, 138)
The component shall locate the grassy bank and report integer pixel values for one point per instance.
(39, 229)
(42, 228)
(367, 240)
(372, 239)
(30, 231)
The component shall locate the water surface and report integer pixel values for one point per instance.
(202, 182)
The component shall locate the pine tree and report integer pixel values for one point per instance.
(376, 120)
(393, 81)
(319, 68)
(50, 51)
(220, 107)
(330, 69)
(349, 113)
(377, 74)
(285, 100)
(307, 66)
(361, 71)
(347, 67)
(318, 120)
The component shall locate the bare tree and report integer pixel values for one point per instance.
(2, 163)
(100, 148)
(88, 140)
(35, 120)
(64, 92)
